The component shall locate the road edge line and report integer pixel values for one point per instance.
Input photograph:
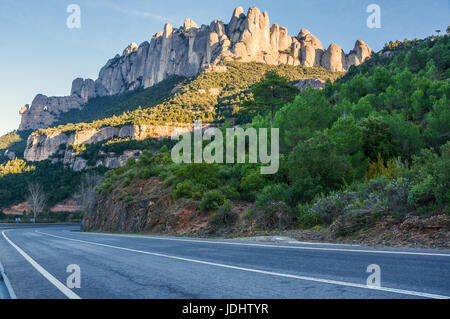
(9, 288)
(55, 282)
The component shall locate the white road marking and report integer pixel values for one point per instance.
(325, 281)
(9, 288)
(66, 291)
(280, 246)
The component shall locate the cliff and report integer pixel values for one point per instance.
(189, 50)
(59, 146)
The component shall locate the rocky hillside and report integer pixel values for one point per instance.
(187, 51)
(366, 159)
(213, 96)
(67, 147)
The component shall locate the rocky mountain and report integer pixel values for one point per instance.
(59, 146)
(191, 49)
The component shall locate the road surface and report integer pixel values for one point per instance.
(36, 261)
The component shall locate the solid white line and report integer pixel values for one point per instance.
(66, 291)
(325, 281)
(279, 246)
(9, 288)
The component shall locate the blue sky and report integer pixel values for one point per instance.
(39, 54)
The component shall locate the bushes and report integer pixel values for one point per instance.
(187, 189)
(430, 174)
(316, 114)
(59, 183)
(251, 184)
(273, 215)
(16, 166)
(14, 142)
(377, 139)
(316, 166)
(276, 192)
(392, 170)
(225, 217)
(307, 218)
(212, 200)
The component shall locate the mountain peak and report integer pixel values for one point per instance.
(189, 24)
(247, 38)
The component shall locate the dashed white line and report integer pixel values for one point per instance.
(325, 281)
(66, 291)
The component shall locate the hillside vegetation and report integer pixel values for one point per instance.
(57, 182)
(211, 97)
(373, 145)
(176, 99)
(14, 142)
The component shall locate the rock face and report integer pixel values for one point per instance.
(44, 110)
(9, 155)
(58, 146)
(310, 83)
(191, 49)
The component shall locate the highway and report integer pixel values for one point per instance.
(36, 261)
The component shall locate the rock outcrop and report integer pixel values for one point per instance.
(44, 110)
(190, 50)
(59, 146)
(315, 84)
(9, 155)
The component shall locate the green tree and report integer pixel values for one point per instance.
(438, 123)
(377, 139)
(298, 120)
(271, 94)
(349, 139)
(316, 166)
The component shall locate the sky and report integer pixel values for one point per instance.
(40, 54)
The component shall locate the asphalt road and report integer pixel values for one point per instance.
(145, 267)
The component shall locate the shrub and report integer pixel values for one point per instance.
(273, 215)
(183, 190)
(187, 189)
(306, 217)
(392, 170)
(316, 166)
(276, 192)
(230, 192)
(327, 209)
(430, 176)
(251, 184)
(212, 200)
(225, 217)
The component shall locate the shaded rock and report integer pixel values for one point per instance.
(10, 155)
(310, 83)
